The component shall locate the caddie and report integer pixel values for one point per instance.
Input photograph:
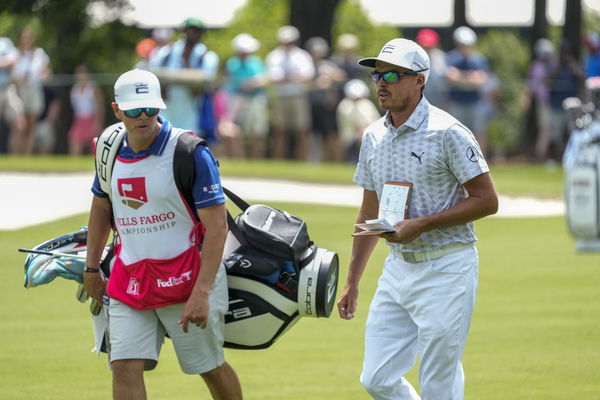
(422, 167)
(167, 276)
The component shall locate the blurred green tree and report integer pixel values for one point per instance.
(350, 18)
(260, 18)
(66, 31)
(508, 55)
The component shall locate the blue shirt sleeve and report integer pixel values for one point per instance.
(207, 190)
(96, 190)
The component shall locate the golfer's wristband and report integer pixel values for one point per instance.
(88, 269)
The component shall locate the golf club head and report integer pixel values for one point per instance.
(95, 307)
(81, 295)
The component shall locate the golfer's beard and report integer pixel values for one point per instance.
(395, 104)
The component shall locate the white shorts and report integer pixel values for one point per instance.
(11, 106)
(139, 334)
(251, 113)
(292, 112)
(32, 95)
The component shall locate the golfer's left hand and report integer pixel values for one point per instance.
(195, 311)
(406, 231)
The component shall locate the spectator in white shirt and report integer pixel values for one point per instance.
(354, 113)
(28, 73)
(290, 70)
(11, 106)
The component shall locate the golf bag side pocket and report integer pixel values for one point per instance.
(258, 313)
(583, 201)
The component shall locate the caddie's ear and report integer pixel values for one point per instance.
(115, 109)
(421, 80)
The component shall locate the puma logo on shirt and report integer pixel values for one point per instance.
(412, 153)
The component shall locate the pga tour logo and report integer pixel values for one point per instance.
(134, 287)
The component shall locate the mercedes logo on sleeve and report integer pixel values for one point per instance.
(472, 154)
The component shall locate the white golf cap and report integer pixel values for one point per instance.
(465, 36)
(543, 47)
(356, 89)
(288, 34)
(403, 53)
(245, 43)
(138, 88)
(348, 41)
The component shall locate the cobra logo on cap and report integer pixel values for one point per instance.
(141, 88)
(388, 49)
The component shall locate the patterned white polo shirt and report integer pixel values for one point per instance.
(434, 152)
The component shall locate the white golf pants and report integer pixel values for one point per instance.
(420, 308)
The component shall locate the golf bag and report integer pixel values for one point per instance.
(41, 269)
(276, 275)
(582, 185)
(581, 162)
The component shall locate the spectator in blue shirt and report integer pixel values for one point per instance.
(245, 85)
(564, 79)
(466, 73)
(592, 43)
(187, 66)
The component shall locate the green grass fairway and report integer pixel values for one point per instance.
(535, 333)
(510, 179)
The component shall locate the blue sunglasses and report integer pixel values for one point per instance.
(392, 76)
(136, 112)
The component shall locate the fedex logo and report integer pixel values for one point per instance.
(175, 281)
(133, 191)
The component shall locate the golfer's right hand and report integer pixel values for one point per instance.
(94, 285)
(347, 302)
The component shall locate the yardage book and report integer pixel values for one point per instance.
(393, 207)
(374, 227)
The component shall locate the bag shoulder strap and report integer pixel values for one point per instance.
(233, 226)
(184, 169)
(107, 147)
(238, 201)
(184, 172)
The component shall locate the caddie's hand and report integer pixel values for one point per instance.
(94, 285)
(195, 311)
(406, 231)
(347, 302)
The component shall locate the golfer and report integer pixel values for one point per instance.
(160, 282)
(426, 292)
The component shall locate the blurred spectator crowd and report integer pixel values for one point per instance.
(308, 102)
